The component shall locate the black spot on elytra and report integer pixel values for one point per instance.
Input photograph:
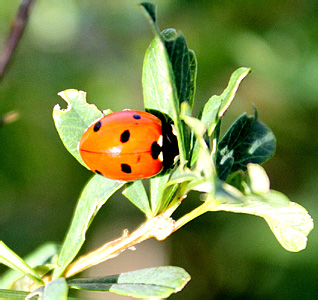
(100, 173)
(97, 126)
(126, 168)
(136, 116)
(155, 150)
(124, 137)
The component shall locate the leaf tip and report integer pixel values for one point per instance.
(149, 10)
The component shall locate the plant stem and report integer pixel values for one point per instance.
(17, 29)
(159, 227)
(200, 210)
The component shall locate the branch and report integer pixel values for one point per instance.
(17, 29)
(159, 227)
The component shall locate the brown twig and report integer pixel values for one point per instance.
(160, 227)
(17, 29)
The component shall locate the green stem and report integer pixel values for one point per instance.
(200, 210)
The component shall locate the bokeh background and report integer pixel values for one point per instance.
(98, 46)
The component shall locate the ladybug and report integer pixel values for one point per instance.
(128, 145)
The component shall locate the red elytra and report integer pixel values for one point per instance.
(125, 145)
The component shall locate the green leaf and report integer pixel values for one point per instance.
(193, 78)
(169, 74)
(97, 191)
(11, 294)
(210, 113)
(56, 289)
(38, 257)
(12, 260)
(73, 121)
(179, 57)
(225, 169)
(182, 175)
(159, 196)
(230, 91)
(149, 11)
(196, 125)
(289, 221)
(216, 106)
(159, 85)
(247, 141)
(204, 161)
(156, 187)
(204, 169)
(136, 193)
(152, 282)
(157, 80)
(203, 172)
(184, 73)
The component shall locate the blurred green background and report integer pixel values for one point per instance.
(98, 47)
